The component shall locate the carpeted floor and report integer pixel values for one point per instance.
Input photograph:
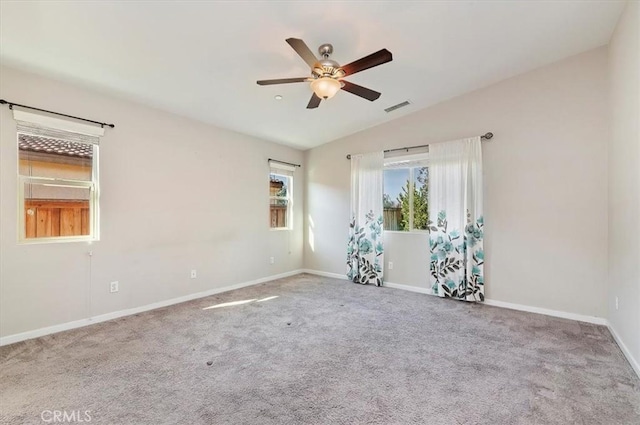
(324, 351)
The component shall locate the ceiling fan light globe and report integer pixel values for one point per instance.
(325, 87)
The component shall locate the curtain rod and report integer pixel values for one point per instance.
(283, 162)
(11, 105)
(487, 136)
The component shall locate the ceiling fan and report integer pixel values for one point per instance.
(326, 74)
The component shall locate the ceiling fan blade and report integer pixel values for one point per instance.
(360, 91)
(282, 81)
(303, 50)
(314, 102)
(374, 59)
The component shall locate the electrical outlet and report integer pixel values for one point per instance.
(272, 260)
(114, 286)
(390, 265)
(194, 274)
(616, 303)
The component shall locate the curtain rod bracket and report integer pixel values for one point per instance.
(11, 105)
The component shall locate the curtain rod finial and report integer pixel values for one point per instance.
(488, 136)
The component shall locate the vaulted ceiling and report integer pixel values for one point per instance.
(202, 59)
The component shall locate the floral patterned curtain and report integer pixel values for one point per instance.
(365, 252)
(456, 235)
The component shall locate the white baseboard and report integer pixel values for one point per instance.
(632, 361)
(407, 288)
(11, 339)
(496, 303)
(555, 313)
(511, 306)
(385, 284)
(325, 274)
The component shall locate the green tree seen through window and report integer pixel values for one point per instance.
(420, 187)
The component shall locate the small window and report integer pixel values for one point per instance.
(280, 195)
(406, 196)
(57, 188)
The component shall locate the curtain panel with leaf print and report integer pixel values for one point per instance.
(457, 225)
(365, 252)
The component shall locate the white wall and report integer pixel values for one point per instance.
(624, 181)
(175, 195)
(545, 186)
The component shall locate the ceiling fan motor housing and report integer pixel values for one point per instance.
(326, 67)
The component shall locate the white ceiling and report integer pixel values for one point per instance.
(201, 59)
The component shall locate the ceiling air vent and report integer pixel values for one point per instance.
(398, 106)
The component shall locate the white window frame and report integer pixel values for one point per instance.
(92, 185)
(408, 162)
(289, 198)
(46, 125)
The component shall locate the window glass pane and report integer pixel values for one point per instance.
(280, 193)
(56, 211)
(46, 157)
(279, 185)
(421, 198)
(396, 199)
(279, 213)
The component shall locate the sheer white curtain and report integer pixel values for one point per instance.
(456, 215)
(365, 252)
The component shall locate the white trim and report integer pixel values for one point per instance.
(555, 313)
(502, 304)
(94, 209)
(511, 306)
(325, 274)
(407, 288)
(406, 160)
(11, 339)
(281, 166)
(633, 362)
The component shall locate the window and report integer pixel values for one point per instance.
(406, 194)
(280, 196)
(57, 177)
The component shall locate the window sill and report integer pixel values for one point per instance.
(41, 241)
(279, 229)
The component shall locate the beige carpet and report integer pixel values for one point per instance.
(324, 351)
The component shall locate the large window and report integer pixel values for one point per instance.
(57, 188)
(281, 195)
(406, 196)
